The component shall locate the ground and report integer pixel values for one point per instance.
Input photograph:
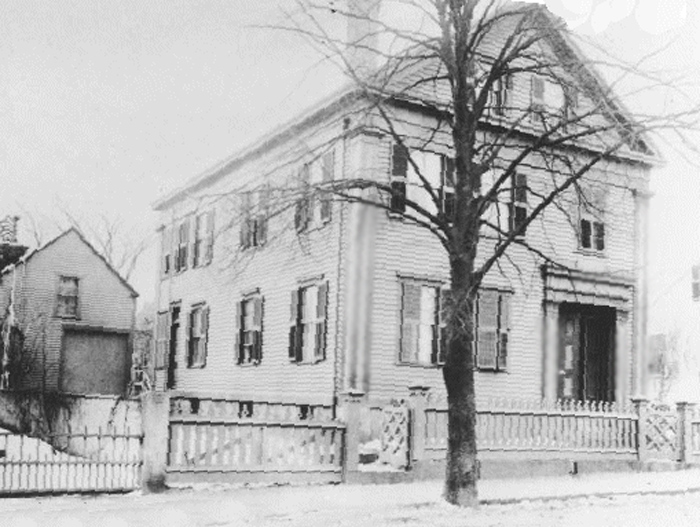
(655, 499)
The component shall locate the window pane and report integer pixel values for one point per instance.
(411, 301)
(488, 309)
(599, 236)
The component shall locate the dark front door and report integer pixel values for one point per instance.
(587, 352)
(172, 349)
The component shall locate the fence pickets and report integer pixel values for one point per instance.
(29, 465)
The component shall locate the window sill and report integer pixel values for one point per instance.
(248, 364)
(419, 365)
(307, 362)
(67, 317)
(591, 252)
(491, 370)
(196, 366)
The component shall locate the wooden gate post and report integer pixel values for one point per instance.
(418, 400)
(155, 414)
(641, 405)
(351, 413)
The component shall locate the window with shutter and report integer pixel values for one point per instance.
(420, 333)
(250, 327)
(304, 205)
(200, 224)
(67, 305)
(591, 233)
(501, 94)
(321, 323)
(492, 329)
(183, 234)
(309, 323)
(487, 330)
(197, 336)
(295, 334)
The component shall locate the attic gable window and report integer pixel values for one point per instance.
(591, 232)
(67, 297)
(308, 323)
(500, 96)
(537, 97)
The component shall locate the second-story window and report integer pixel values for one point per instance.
(254, 218)
(537, 97)
(203, 245)
(67, 305)
(183, 235)
(399, 170)
(518, 205)
(500, 99)
(166, 250)
(326, 202)
(304, 204)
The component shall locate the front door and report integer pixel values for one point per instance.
(587, 352)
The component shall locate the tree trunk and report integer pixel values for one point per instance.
(458, 372)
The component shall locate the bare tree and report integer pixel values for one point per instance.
(458, 69)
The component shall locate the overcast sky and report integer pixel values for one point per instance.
(105, 105)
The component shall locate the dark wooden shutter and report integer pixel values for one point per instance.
(321, 324)
(445, 310)
(503, 330)
(188, 338)
(586, 234)
(399, 170)
(258, 323)
(185, 243)
(410, 321)
(294, 330)
(487, 327)
(239, 333)
(209, 250)
(245, 232)
(327, 178)
(599, 235)
(447, 193)
(204, 325)
(263, 213)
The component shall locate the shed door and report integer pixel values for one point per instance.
(95, 362)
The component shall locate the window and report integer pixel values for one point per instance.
(421, 334)
(183, 233)
(492, 326)
(570, 107)
(518, 205)
(501, 94)
(304, 205)
(696, 282)
(254, 218)
(591, 222)
(197, 334)
(203, 246)
(327, 168)
(308, 326)
(536, 97)
(165, 250)
(67, 298)
(162, 340)
(249, 337)
(408, 181)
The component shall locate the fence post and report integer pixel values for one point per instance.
(155, 413)
(641, 406)
(351, 408)
(683, 432)
(418, 399)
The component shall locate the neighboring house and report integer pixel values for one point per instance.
(75, 314)
(328, 297)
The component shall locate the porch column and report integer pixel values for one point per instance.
(623, 357)
(550, 351)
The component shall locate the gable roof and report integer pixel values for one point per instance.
(406, 85)
(75, 231)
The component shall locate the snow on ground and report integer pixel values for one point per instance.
(413, 504)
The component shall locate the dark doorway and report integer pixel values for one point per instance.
(586, 352)
(172, 351)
